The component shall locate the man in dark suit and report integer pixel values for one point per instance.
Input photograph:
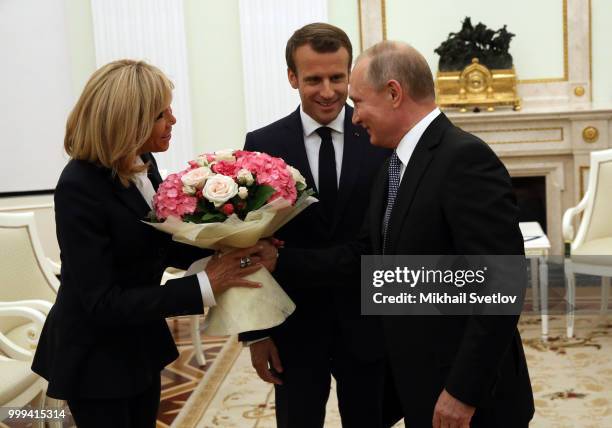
(325, 335)
(442, 192)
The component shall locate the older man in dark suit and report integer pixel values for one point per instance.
(326, 335)
(442, 191)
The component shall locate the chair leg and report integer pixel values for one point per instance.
(605, 294)
(196, 339)
(571, 297)
(38, 403)
(54, 404)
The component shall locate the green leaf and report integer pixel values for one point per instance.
(260, 197)
(191, 218)
(212, 217)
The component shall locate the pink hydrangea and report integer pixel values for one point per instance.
(269, 171)
(170, 200)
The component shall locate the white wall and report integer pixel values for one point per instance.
(36, 88)
(215, 62)
(602, 51)
(215, 65)
(537, 48)
(215, 52)
(82, 54)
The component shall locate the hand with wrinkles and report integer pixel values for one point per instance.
(451, 413)
(265, 358)
(225, 271)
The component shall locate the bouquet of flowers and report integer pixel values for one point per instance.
(227, 200)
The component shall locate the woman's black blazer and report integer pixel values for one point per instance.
(106, 335)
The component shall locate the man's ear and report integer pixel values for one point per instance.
(293, 79)
(396, 92)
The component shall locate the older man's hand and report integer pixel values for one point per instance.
(265, 360)
(451, 413)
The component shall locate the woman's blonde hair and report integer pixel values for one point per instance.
(115, 115)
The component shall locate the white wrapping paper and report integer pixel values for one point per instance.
(241, 309)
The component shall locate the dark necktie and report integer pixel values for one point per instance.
(328, 179)
(394, 183)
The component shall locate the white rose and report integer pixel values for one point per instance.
(225, 155)
(202, 160)
(196, 177)
(219, 189)
(244, 176)
(300, 181)
(189, 190)
(243, 192)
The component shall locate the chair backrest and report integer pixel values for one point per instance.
(24, 270)
(597, 218)
(44, 215)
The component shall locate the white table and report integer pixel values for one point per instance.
(537, 247)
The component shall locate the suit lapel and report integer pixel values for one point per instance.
(417, 165)
(130, 196)
(377, 201)
(352, 154)
(153, 172)
(295, 155)
(295, 150)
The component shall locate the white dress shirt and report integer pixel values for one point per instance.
(409, 141)
(312, 142)
(146, 189)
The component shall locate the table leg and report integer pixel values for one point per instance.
(534, 283)
(196, 339)
(543, 267)
(605, 294)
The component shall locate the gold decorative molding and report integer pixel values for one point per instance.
(579, 91)
(590, 134)
(477, 87)
(383, 14)
(590, 53)
(541, 140)
(360, 25)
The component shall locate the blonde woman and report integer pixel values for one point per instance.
(106, 339)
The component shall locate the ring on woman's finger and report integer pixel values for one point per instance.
(244, 262)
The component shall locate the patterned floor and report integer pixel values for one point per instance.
(181, 378)
(572, 382)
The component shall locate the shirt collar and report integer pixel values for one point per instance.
(407, 144)
(138, 162)
(310, 125)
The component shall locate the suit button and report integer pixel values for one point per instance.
(161, 252)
